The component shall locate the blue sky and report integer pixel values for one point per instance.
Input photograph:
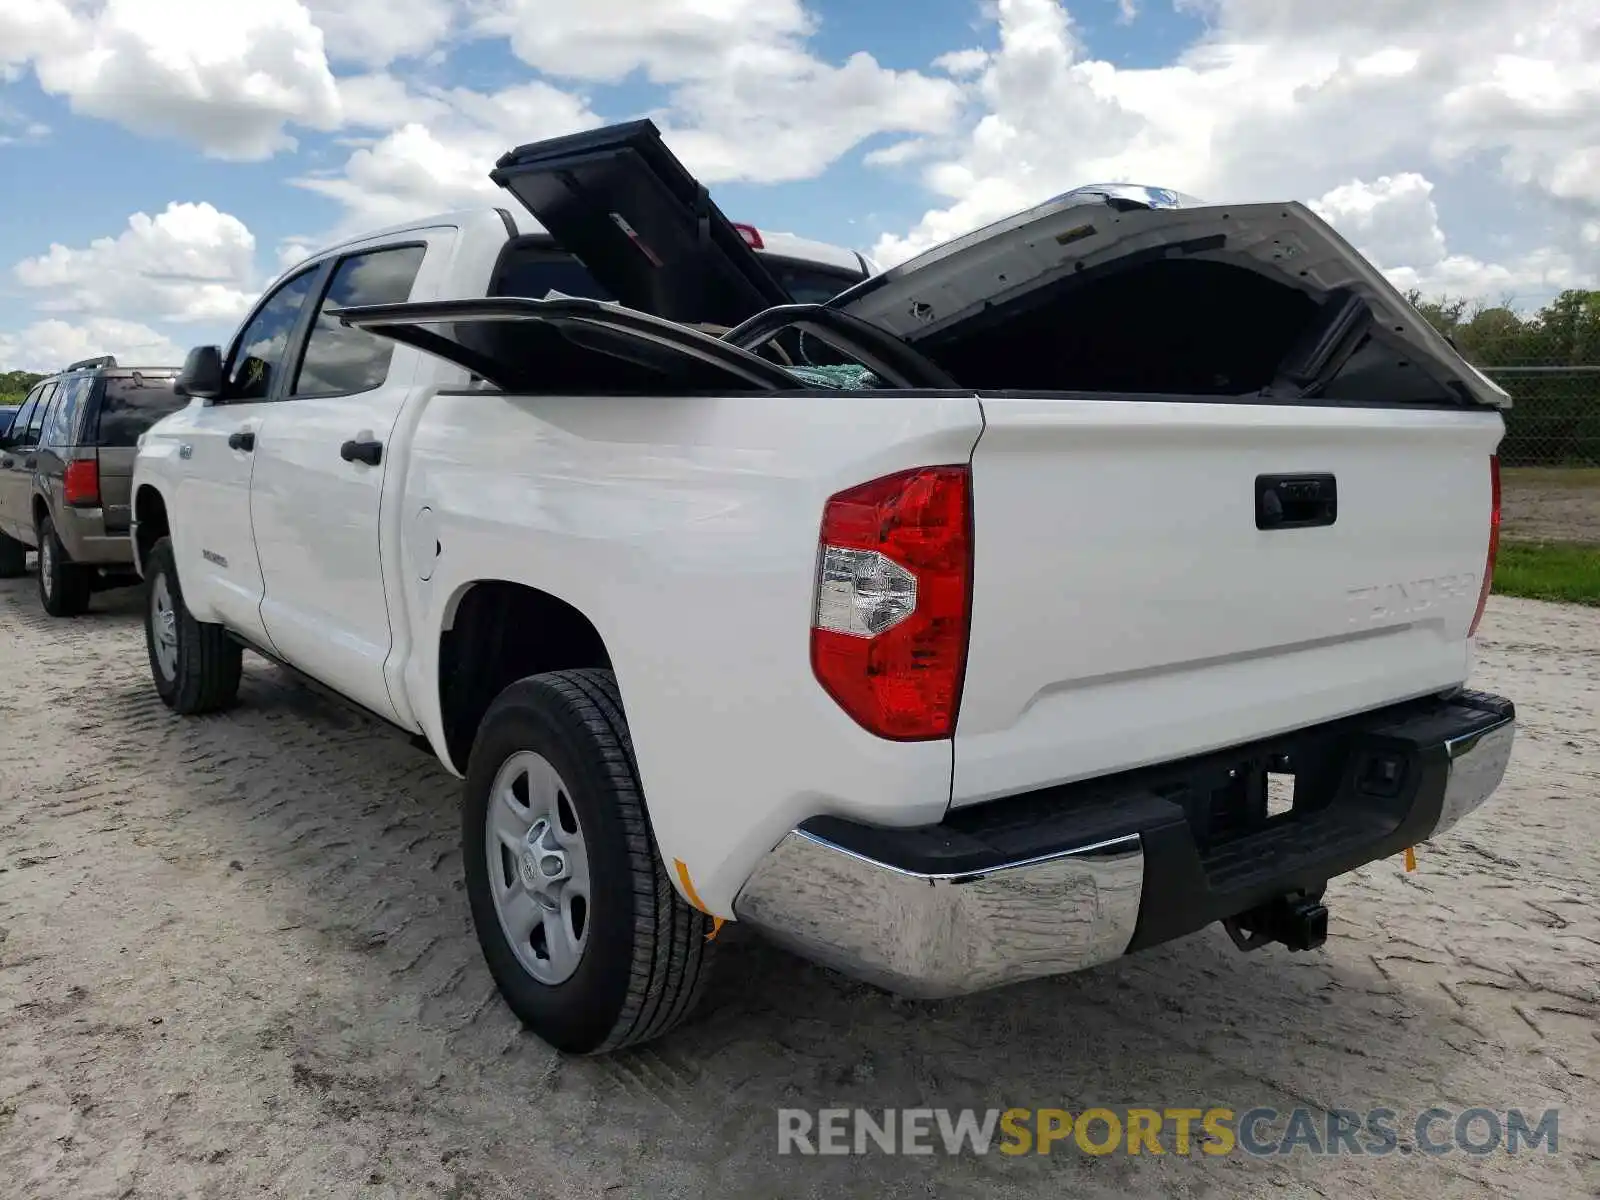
(1458, 149)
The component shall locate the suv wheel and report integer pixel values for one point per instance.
(64, 586)
(589, 942)
(13, 557)
(195, 664)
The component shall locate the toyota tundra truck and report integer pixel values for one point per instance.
(1109, 572)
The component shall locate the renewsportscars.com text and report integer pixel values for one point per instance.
(1258, 1132)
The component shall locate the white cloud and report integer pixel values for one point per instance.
(376, 32)
(51, 344)
(747, 99)
(189, 262)
(1298, 100)
(228, 76)
(668, 40)
(1394, 220)
(443, 163)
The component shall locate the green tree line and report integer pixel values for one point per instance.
(1564, 333)
(14, 385)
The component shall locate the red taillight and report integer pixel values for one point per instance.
(1494, 541)
(894, 571)
(82, 482)
(751, 236)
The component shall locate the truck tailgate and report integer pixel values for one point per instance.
(1127, 609)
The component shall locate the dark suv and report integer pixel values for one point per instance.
(66, 472)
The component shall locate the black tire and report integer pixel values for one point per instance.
(205, 674)
(647, 957)
(64, 586)
(13, 557)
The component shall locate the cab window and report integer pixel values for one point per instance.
(260, 351)
(340, 361)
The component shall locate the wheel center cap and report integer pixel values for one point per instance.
(540, 865)
(528, 868)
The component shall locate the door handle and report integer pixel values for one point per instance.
(243, 439)
(31, 461)
(8, 461)
(1296, 501)
(370, 453)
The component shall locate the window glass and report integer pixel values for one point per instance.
(62, 418)
(338, 360)
(36, 418)
(536, 271)
(133, 403)
(259, 353)
(19, 424)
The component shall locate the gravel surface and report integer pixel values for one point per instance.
(1551, 506)
(235, 960)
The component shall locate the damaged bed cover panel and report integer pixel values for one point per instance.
(646, 228)
(925, 299)
(492, 339)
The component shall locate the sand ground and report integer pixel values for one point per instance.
(235, 960)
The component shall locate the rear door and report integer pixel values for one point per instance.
(643, 225)
(321, 461)
(15, 490)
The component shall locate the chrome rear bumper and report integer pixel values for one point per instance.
(927, 934)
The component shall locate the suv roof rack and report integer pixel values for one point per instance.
(89, 364)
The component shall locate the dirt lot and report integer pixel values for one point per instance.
(235, 960)
(1551, 505)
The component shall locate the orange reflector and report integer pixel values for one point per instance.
(694, 897)
(1411, 858)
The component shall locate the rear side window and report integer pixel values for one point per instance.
(133, 403)
(36, 417)
(61, 423)
(536, 271)
(809, 283)
(338, 360)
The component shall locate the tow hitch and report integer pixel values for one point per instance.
(1298, 920)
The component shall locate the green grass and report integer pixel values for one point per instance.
(1549, 571)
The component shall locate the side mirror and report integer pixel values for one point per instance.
(202, 374)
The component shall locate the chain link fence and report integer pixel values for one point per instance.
(1555, 418)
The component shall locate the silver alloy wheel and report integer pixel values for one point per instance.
(164, 627)
(538, 867)
(47, 563)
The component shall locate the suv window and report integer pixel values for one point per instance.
(259, 352)
(36, 418)
(19, 424)
(61, 424)
(339, 361)
(132, 403)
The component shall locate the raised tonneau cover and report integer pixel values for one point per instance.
(620, 200)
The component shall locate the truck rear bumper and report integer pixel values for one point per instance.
(1069, 877)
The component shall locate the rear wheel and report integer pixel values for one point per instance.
(587, 939)
(13, 557)
(64, 586)
(195, 664)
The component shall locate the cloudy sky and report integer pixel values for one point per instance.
(162, 159)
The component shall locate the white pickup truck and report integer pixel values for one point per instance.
(1106, 573)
